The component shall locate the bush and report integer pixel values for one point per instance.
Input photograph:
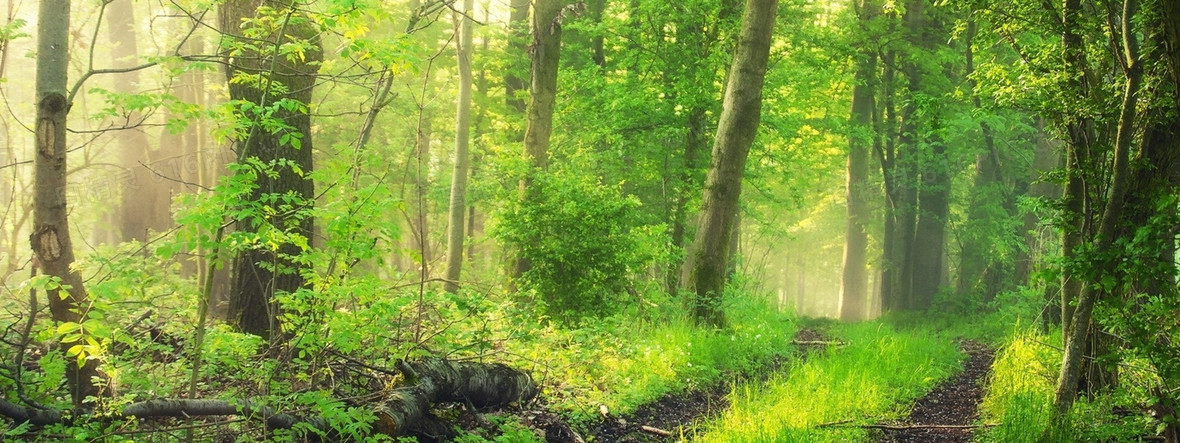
(582, 240)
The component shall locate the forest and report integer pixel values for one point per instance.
(575, 221)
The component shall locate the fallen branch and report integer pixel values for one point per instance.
(431, 380)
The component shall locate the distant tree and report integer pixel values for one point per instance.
(462, 167)
(854, 293)
(707, 267)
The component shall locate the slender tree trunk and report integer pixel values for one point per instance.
(259, 273)
(50, 240)
(854, 291)
(546, 55)
(981, 271)
(419, 215)
(462, 161)
(708, 259)
(1067, 382)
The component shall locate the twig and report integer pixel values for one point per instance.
(656, 431)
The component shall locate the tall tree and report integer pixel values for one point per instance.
(982, 270)
(707, 267)
(922, 127)
(545, 56)
(854, 294)
(51, 229)
(462, 161)
(1108, 223)
(263, 72)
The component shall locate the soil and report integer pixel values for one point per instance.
(952, 403)
(668, 418)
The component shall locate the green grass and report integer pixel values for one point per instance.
(1019, 398)
(625, 362)
(874, 378)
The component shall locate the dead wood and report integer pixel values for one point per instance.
(429, 381)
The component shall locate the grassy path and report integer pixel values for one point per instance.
(872, 379)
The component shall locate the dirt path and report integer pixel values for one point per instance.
(952, 403)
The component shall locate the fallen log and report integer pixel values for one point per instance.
(428, 381)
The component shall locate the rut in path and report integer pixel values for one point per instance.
(954, 402)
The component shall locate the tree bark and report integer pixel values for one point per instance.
(708, 258)
(260, 273)
(854, 293)
(462, 165)
(50, 240)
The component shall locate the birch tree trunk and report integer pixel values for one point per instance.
(707, 267)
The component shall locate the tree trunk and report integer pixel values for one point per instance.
(546, 55)
(708, 259)
(50, 240)
(258, 274)
(1067, 382)
(854, 293)
(458, 204)
(925, 267)
(982, 272)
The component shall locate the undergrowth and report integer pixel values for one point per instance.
(624, 362)
(868, 380)
(1019, 398)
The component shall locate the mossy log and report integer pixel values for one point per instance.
(427, 382)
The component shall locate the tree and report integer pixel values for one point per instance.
(707, 267)
(1104, 238)
(462, 161)
(854, 294)
(273, 57)
(50, 240)
(144, 206)
(545, 54)
(983, 270)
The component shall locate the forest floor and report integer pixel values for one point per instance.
(673, 416)
(953, 403)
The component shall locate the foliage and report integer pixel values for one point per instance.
(582, 241)
(1019, 398)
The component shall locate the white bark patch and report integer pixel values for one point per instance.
(47, 137)
(48, 244)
